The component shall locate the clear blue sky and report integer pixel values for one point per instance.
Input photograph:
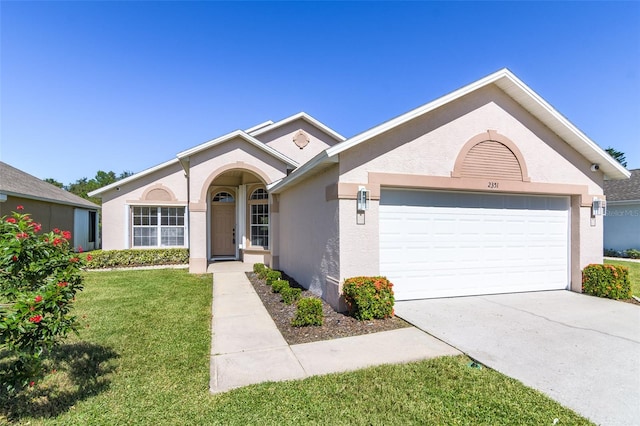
(89, 86)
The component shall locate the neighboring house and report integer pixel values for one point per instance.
(622, 222)
(485, 190)
(50, 206)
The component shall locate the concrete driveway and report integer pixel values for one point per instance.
(582, 351)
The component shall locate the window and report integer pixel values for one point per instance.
(92, 226)
(149, 223)
(223, 197)
(259, 221)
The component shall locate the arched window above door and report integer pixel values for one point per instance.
(259, 194)
(223, 197)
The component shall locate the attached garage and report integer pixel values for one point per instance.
(442, 244)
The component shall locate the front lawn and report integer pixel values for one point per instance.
(634, 273)
(143, 358)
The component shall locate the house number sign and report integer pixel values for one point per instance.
(492, 185)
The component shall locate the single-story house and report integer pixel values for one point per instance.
(50, 206)
(487, 189)
(622, 222)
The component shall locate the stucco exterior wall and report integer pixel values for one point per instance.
(205, 166)
(309, 236)
(430, 146)
(281, 139)
(116, 203)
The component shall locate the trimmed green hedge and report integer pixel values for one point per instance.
(308, 312)
(100, 259)
(369, 297)
(609, 281)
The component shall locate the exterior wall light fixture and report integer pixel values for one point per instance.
(363, 199)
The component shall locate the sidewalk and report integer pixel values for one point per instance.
(247, 348)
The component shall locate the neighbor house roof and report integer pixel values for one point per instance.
(17, 183)
(623, 190)
(513, 87)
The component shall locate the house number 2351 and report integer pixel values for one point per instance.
(493, 185)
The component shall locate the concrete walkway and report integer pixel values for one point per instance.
(247, 348)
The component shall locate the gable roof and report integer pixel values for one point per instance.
(623, 190)
(264, 128)
(513, 87)
(242, 135)
(131, 178)
(17, 183)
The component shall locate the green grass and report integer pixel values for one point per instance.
(634, 273)
(143, 358)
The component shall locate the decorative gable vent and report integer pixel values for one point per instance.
(301, 139)
(490, 155)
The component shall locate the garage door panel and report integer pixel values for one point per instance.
(437, 244)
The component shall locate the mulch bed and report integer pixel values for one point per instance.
(335, 325)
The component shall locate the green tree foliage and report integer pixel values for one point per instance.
(618, 156)
(83, 186)
(54, 182)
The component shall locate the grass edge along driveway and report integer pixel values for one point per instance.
(143, 358)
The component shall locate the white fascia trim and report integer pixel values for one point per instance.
(242, 135)
(581, 142)
(131, 178)
(300, 172)
(304, 116)
(259, 126)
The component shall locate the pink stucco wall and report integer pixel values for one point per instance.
(281, 139)
(116, 203)
(309, 234)
(430, 146)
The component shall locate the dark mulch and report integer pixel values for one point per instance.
(335, 325)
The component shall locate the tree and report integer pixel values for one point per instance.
(54, 182)
(83, 186)
(618, 156)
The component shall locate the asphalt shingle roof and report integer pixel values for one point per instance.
(625, 189)
(18, 183)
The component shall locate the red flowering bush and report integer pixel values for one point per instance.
(369, 297)
(609, 281)
(39, 277)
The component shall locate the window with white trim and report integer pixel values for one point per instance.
(158, 226)
(259, 218)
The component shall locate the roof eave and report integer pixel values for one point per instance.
(93, 206)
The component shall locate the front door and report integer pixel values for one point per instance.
(223, 222)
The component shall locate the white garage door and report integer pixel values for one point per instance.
(440, 244)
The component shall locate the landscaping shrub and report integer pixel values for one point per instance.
(290, 295)
(137, 257)
(629, 253)
(609, 281)
(39, 278)
(273, 276)
(369, 297)
(278, 285)
(632, 253)
(308, 312)
(262, 273)
(258, 267)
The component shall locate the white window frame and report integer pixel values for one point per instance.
(159, 226)
(263, 201)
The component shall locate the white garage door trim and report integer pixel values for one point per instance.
(443, 244)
